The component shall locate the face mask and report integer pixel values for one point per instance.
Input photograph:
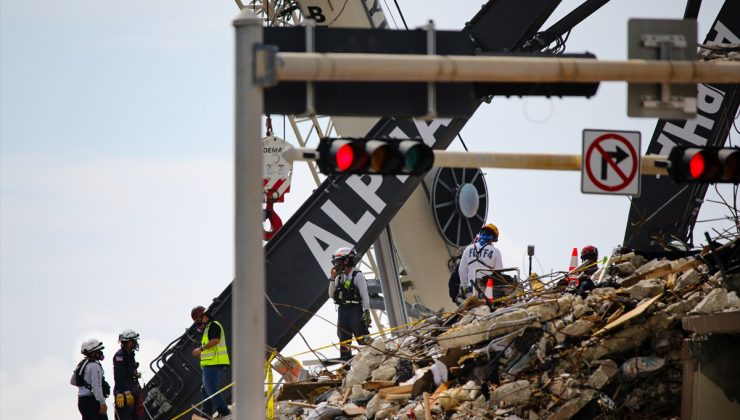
(101, 356)
(484, 238)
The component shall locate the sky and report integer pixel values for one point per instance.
(116, 174)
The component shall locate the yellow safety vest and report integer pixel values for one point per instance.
(216, 355)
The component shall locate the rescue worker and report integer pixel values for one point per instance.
(214, 359)
(89, 378)
(126, 388)
(348, 288)
(584, 283)
(479, 259)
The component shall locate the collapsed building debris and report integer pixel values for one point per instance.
(540, 354)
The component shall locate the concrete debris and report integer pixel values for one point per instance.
(715, 301)
(686, 280)
(733, 302)
(626, 268)
(646, 288)
(603, 374)
(513, 393)
(545, 354)
(578, 329)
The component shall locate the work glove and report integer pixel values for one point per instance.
(129, 398)
(366, 318)
(120, 403)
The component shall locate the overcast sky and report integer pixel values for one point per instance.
(116, 173)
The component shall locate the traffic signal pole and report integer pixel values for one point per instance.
(315, 67)
(649, 165)
(248, 293)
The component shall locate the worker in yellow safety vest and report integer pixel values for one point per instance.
(214, 359)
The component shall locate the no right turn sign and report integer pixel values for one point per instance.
(610, 162)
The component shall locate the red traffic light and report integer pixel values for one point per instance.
(341, 156)
(704, 164)
(374, 156)
(345, 156)
(697, 165)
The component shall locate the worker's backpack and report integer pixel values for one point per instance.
(453, 284)
(80, 377)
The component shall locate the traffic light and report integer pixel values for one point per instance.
(705, 164)
(374, 156)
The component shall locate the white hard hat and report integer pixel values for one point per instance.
(91, 345)
(128, 335)
(344, 252)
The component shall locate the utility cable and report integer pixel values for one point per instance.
(462, 141)
(389, 12)
(401, 13)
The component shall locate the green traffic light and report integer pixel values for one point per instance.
(418, 157)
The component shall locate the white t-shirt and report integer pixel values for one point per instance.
(93, 375)
(476, 258)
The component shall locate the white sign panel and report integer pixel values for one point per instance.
(610, 163)
(276, 171)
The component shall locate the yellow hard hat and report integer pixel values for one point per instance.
(492, 228)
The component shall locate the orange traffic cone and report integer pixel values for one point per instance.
(573, 264)
(489, 290)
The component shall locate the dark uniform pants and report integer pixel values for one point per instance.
(90, 408)
(126, 413)
(350, 324)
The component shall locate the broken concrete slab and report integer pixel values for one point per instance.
(686, 280)
(512, 393)
(550, 309)
(626, 339)
(578, 329)
(631, 257)
(682, 307)
(607, 370)
(646, 288)
(474, 333)
(715, 301)
(733, 302)
(625, 268)
(574, 405)
(383, 373)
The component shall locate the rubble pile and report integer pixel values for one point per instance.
(551, 354)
